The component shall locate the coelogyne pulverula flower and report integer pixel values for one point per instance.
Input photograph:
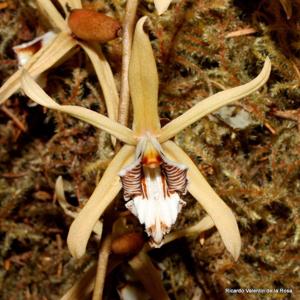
(153, 184)
(153, 171)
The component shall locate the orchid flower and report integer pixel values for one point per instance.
(152, 169)
(53, 51)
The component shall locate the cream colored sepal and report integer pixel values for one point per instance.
(37, 94)
(162, 5)
(143, 82)
(48, 9)
(104, 194)
(214, 102)
(216, 208)
(42, 60)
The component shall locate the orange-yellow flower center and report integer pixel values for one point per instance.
(151, 157)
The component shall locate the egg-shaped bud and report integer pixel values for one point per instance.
(90, 25)
(128, 243)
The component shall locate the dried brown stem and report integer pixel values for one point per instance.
(128, 27)
(240, 32)
(293, 115)
(82, 288)
(149, 276)
(14, 175)
(10, 114)
(102, 267)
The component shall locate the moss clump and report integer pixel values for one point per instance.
(255, 168)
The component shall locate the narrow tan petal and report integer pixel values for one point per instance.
(37, 94)
(203, 225)
(214, 102)
(220, 213)
(143, 82)
(60, 196)
(105, 192)
(149, 276)
(83, 288)
(62, 44)
(45, 58)
(51, 13)
(105, 77)
(162, 5)
(68, 209)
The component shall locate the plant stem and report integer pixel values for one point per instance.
(104, 253)
(128, 27)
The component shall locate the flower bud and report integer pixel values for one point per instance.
(90, 25)
(128, 243)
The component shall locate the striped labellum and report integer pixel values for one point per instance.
(153, 186)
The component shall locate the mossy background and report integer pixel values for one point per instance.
(254, 167)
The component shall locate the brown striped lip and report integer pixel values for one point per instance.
(152, 186)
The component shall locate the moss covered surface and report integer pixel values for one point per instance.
(248, 153)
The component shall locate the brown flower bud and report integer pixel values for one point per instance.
(128, 243)
(90, 25)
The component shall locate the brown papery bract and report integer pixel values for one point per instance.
(90, 25)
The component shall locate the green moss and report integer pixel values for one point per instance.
(254, 169)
